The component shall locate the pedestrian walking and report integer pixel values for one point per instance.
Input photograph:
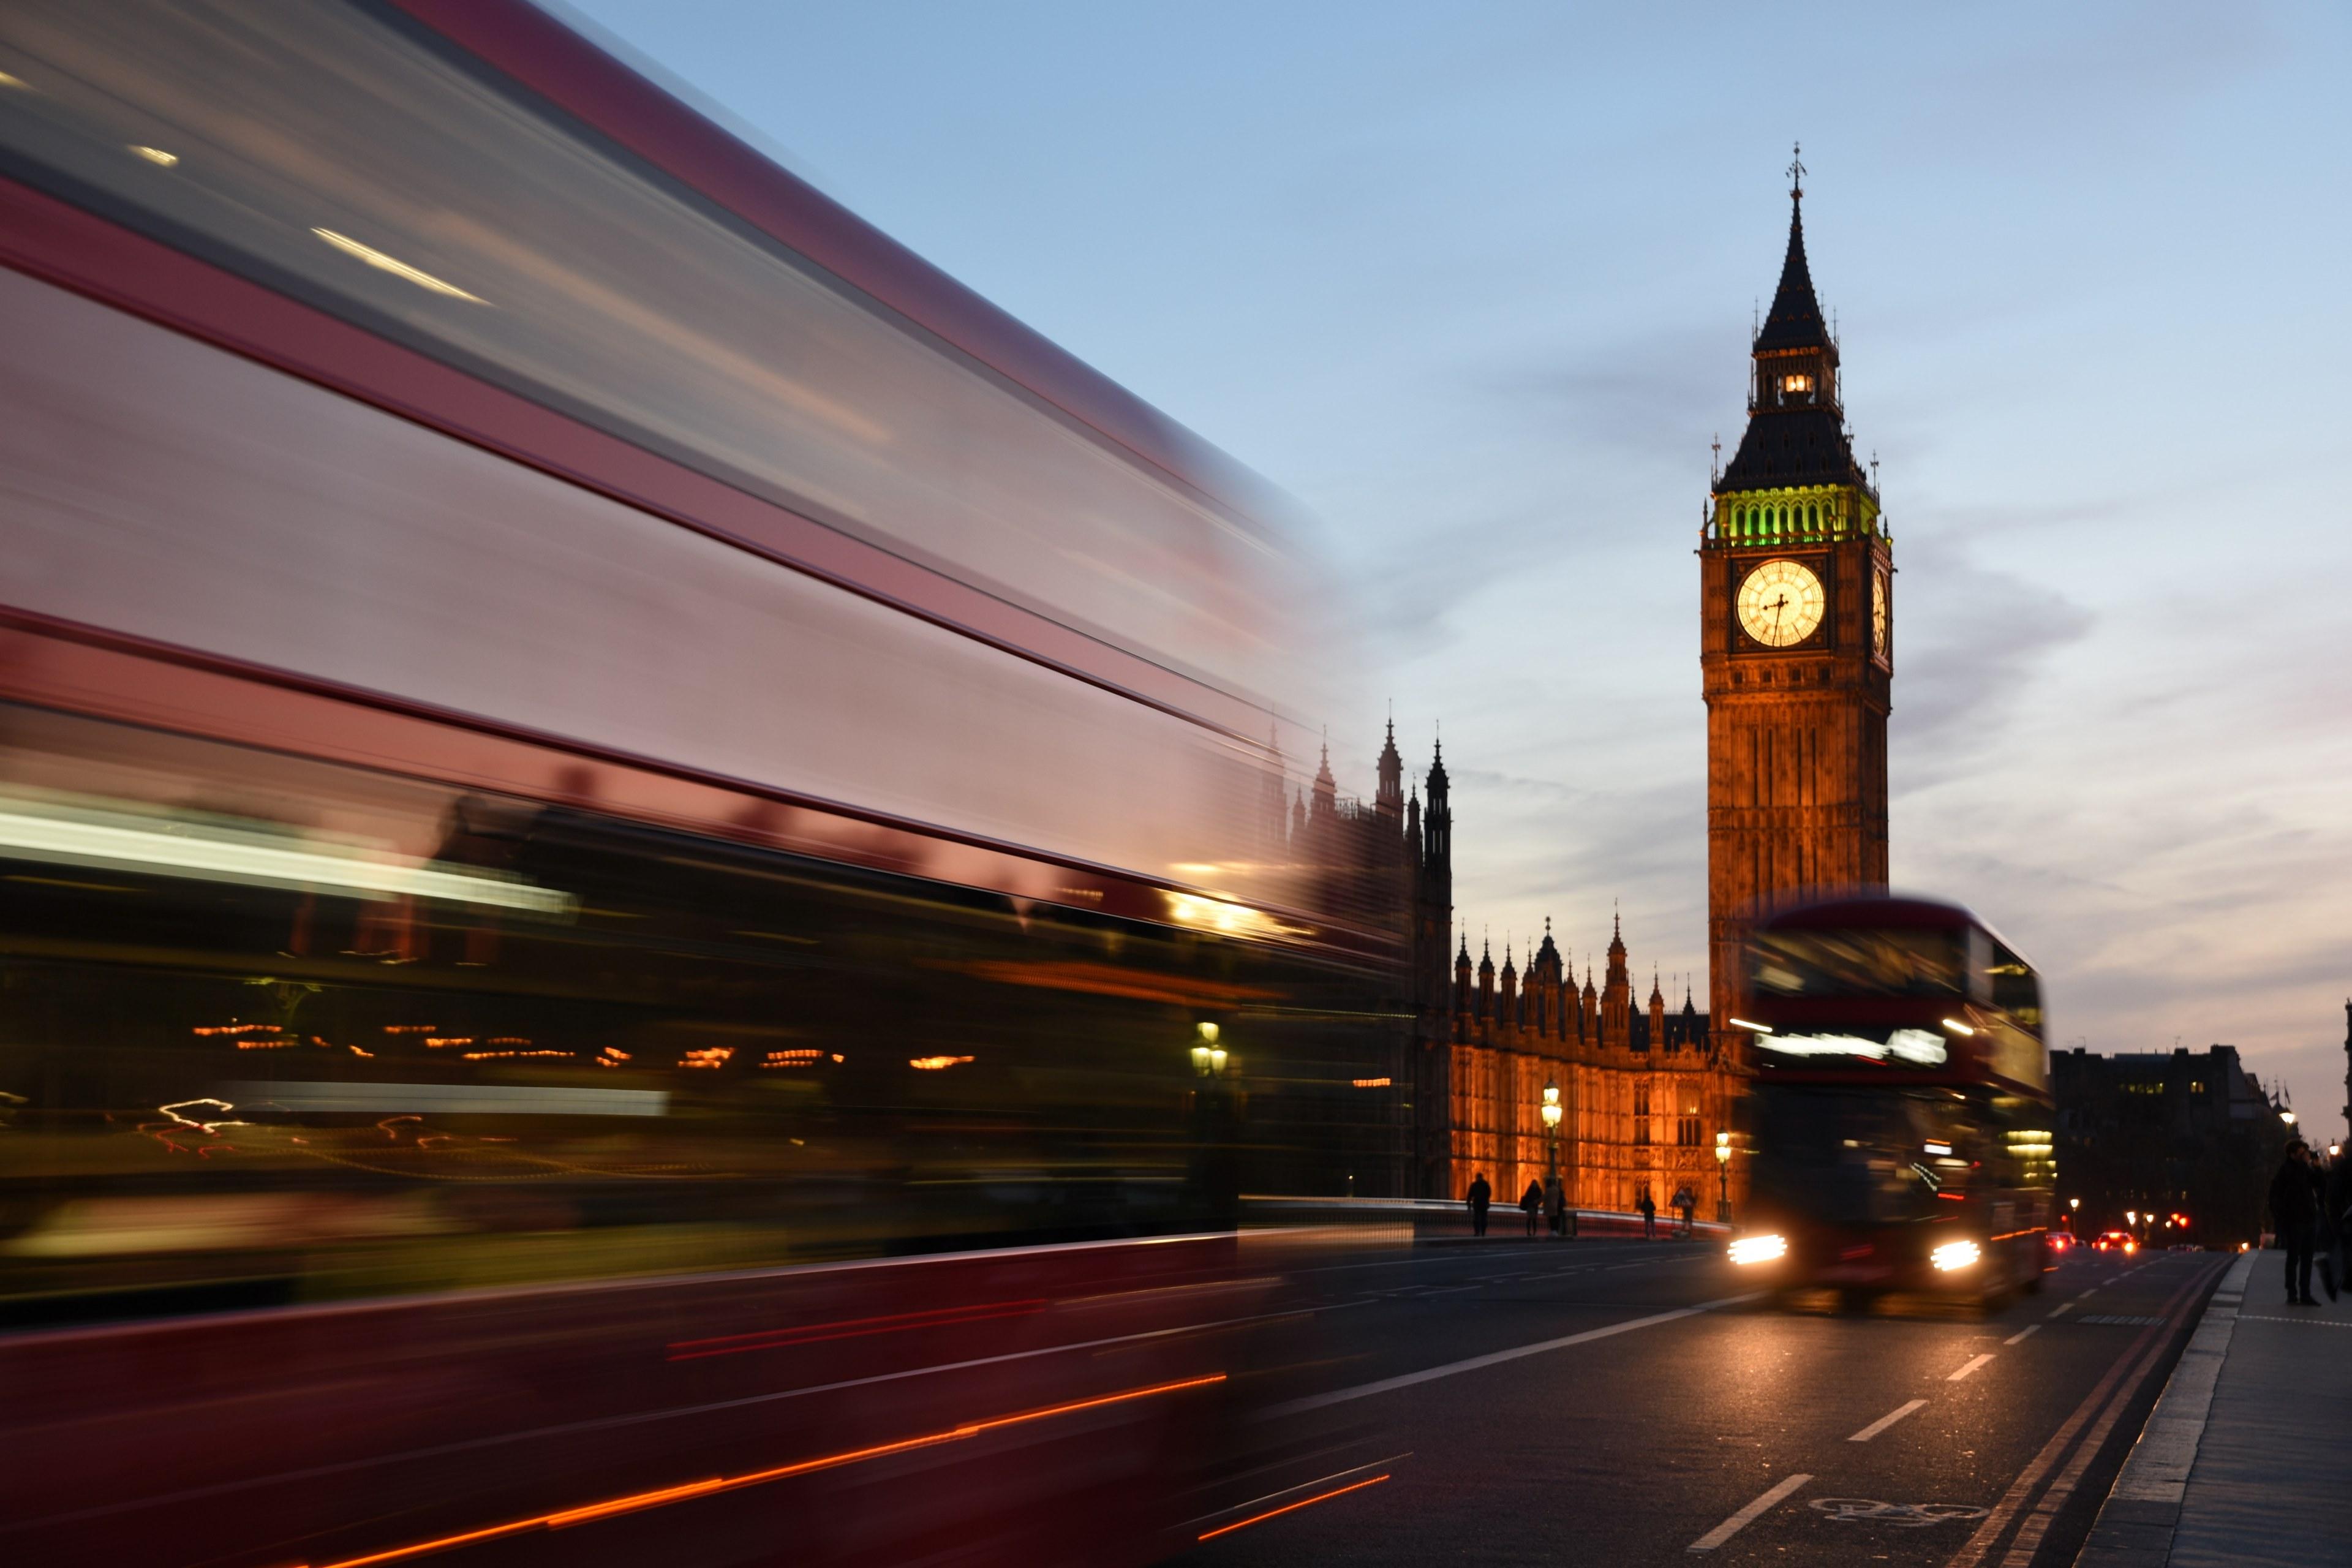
(1556, 1204)
(1649, 1208)
(2295, 1212)
(1687, 1203)
(2335, 1222)
(1531, 1201)
(1481, 1194)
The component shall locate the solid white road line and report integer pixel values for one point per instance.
(2020, 1333)
(1884, 1422)
(1970, 1368)
(1748, 1515)
(1496, 1358)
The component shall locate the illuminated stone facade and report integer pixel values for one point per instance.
(1643, 1091)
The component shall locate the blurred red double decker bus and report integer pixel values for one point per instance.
(1900, 1125)
(620, 808)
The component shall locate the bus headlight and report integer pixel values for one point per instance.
(1956, 1255)
(1759, 1249)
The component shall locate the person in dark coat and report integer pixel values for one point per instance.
(1532, 1202)
(1556, 1204)
(2294, 1214)
(1481, 1194)
(1649, 1208)
(1686, 1202)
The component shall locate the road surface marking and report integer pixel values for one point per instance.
(1970, 1368)
(2092, 1291)
(2301, 1322)
(1496, 1358)
(2063, 1307)
(1973, 1553)
(2027, 1539)
(1884, 1422)
(2020, 1333)
(1748, 1515)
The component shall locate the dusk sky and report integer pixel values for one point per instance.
(1474, 284)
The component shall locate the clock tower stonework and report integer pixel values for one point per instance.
(1796, 650)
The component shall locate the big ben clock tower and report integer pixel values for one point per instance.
(1796, 650)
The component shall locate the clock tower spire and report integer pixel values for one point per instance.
(1796, 651)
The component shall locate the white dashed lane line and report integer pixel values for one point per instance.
(2020, 1333)
(1889, 1419)
(1748, 1515)
(1970, 1368)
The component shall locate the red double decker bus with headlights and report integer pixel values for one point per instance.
(1900, 1119)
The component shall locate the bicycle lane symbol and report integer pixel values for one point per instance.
(1901, 1515)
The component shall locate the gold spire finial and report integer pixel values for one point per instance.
(1796, 172)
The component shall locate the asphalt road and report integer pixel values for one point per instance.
(1628, 1402)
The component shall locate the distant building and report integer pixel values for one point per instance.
(2165, 1132)
(1643, 1089)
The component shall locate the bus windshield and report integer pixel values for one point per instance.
(1862, 961)
(1855, 1156)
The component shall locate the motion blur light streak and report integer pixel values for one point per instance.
(853, 1327)
(636, 1501)
(395, 265)
(936, 1064)
(86, 837)
(157, 156)
(1290, 1507)
(1954, 1255)
(1759, 1249)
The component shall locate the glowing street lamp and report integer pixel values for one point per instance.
(2287, 1117)
(1208, 1056)
(1549, 1109)
(1723, 1177)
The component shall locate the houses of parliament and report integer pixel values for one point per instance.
(1796, 608)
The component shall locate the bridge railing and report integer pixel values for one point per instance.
(1431, 1217)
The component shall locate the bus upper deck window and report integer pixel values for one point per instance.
(1907, 962)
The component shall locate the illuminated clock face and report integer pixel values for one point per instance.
(1781, 603)
(1879, 638)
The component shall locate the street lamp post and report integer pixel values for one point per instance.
(1217, 1171)
(1551, 1112)
(1551, 1130)
(1723, 1178)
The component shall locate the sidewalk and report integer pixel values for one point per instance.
(2247, 1459)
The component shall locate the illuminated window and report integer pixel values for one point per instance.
(1796, 383)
